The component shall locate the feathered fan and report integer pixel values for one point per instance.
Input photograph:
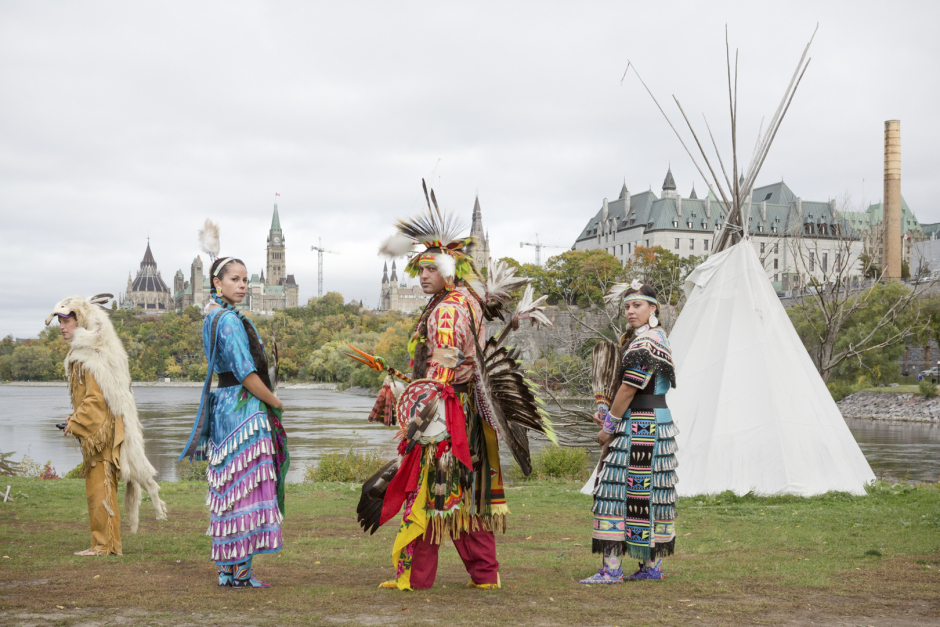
(496, 292)
(505, 394)
(605, 366)
(369, 510)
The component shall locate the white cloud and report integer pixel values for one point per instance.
(123, 120)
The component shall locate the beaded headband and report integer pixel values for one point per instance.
(637, 296)
(222, 265)
(648, 299)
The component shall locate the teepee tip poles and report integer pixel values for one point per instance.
(678, 136)
(738, 190)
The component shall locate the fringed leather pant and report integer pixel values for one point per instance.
(104, 517)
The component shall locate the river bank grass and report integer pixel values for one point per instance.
(834, 559)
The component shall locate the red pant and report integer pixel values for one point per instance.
(477, 549)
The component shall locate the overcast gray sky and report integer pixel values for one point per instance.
(123, 119)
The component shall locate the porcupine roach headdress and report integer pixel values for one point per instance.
(439, 233)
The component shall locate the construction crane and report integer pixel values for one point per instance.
(320, 250)
(538, 246)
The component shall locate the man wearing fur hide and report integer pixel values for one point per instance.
(104, 419)
(463, 394)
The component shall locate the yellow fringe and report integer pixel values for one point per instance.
(100, 440)
(461, 522)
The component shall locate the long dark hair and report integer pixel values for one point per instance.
(254, 341)
(645, 290)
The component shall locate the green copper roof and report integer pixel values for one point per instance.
(275, 222)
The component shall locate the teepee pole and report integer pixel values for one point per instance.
(687, 151)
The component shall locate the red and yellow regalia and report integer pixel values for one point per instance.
(465, 393)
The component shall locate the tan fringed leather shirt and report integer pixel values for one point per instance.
(99, 431)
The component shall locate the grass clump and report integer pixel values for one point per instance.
(75, 473)
(556, 462)
(349, 467)
(927, 389)
(191, 470)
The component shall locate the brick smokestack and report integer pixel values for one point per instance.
(892, 200)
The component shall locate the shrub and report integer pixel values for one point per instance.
(48, 472)
(555, 462)
(191, 471)
(75, 473)
(348, 467)
(840, 389)
(928, 389)
(29, 467)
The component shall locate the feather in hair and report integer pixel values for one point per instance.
(396, 245)
(209, 239)
(616, 292)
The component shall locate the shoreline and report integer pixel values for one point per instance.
(164, 384)
(891, 408)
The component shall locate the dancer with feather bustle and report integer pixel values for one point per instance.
(104, 419)
(463, 395)
(634, 492)
(238, 428)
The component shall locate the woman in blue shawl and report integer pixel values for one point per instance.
(238, 429)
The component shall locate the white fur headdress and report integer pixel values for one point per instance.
(97, 348)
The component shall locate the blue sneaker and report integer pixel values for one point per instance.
(605, 576)
(648, 572)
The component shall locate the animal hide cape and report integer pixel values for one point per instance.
(97, 348)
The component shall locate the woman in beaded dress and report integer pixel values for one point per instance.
(634, 496)
(239, 431)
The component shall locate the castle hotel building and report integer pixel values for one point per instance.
(776, 219)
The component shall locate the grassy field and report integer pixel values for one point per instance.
(832, 560)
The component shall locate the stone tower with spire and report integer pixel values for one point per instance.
(669, 185)
(396, 296)
(277, 263)
(480, 252)
(274, 289)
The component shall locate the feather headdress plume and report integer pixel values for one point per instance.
(618, 289)
(209, 239)
(439, 233)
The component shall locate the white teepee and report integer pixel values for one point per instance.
(752, 411)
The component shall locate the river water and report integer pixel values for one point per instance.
(323, 421)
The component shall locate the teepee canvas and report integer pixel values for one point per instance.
(752, 411)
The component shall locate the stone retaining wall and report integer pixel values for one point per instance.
(890, 407)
